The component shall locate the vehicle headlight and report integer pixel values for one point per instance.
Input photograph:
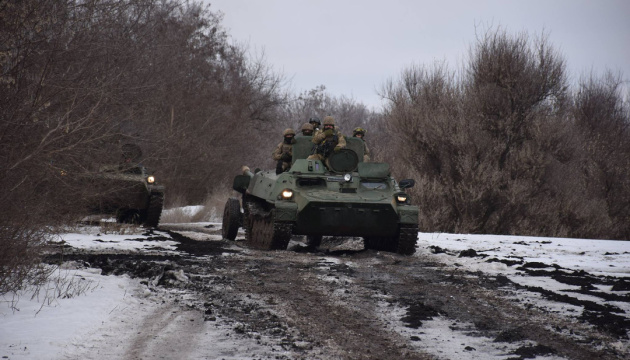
(401, 198)
(347, 177)
(286, 194)
(150, 179)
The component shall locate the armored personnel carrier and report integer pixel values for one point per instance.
(128, 190)
(348, 198)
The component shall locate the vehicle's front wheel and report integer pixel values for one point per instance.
(407, 239)
(231, 218)
(154, 210)
(403, 243)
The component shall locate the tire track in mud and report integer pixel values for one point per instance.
(331, 314)
(351, 305)
(331, 304)
(482, 300)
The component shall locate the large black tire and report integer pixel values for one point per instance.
(154, 211)
(403, 243)
(314, 240)
(379, 243)
(231, 218)
(407, 239)
(128, 216)
(264, 232)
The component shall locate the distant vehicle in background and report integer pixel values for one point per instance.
(127, 190)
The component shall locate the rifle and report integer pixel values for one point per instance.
(326, 147)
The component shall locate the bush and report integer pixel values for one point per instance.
(505, 148)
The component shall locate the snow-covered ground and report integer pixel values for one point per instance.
(81, 310)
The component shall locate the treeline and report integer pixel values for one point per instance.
(507, 146)
(80, 78)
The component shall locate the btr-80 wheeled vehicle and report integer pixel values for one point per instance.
(127, 190)
(348, 198)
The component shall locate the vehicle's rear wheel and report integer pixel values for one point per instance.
(314, 240)
(231, 218)
(128, 216)
(379, 243)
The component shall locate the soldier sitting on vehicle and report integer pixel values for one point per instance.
(283, 153)
(307, 129)
(316, 123)
(327, 141)
(360, 133)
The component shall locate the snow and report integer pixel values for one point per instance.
(81, 314)
(91, 238)
(44, 326)
(446, 340)
(81, 311)
(598, 257)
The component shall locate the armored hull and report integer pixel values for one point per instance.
(346, 198)
(128, 192)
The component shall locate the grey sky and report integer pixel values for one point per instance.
(352, 47)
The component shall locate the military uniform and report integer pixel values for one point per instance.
(314, 121)
(307, 129)
(326, 141)
(366, 151)
(284, 151)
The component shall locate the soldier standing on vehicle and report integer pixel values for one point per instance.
(307, 129)
(327, 141)
(360, 133)
(283, 153)
(315, 122)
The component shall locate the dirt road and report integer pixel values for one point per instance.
(342, 302)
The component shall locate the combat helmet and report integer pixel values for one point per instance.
(329, 120)
(359, 130)
(307, 127)
(315, 120)
(288, 131)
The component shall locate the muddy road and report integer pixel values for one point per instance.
(342, 302)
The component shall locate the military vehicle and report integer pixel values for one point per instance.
(348, 197)
(128, 190)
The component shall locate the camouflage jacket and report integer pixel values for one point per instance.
(325, 144)
(282, 148)
(366, 152)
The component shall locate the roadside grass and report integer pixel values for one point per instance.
(61, 282)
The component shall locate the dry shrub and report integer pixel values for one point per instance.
(20, 263)
(503, 147)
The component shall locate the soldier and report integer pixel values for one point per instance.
(327, 140)
(315, 122)
(283, 153)
(307, 129)
(360, 133)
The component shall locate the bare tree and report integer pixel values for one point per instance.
(495, 149)
(602, 120)
(81, 78)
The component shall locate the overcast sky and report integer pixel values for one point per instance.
(352, 47)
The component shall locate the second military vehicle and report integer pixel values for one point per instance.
(348, 198)
(127, 190)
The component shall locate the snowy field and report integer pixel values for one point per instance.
(80, 309)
